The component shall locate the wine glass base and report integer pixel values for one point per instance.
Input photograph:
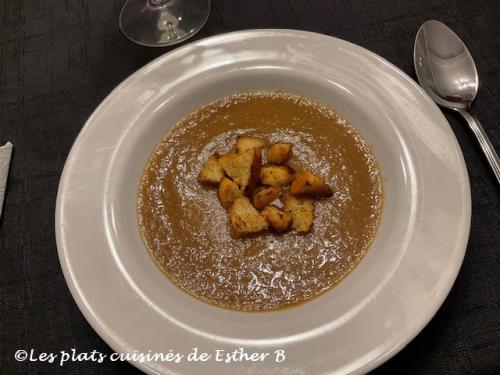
(163, 25)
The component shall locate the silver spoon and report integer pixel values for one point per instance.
(446, 71)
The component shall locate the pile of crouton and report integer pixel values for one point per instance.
(258, 196)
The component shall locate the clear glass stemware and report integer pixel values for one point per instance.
(158, 23)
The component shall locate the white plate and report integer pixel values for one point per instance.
(371, 315)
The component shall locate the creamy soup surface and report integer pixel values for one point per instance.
(188, 234)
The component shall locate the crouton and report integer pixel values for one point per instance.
(245, 219)
(228, 192)
(295, 165)
(242, 167)
(279, 153)
(212, 172)
(276, 175)
(264, 196)
(244, 143)
(302, 211)
(305, 183)
(279, 219)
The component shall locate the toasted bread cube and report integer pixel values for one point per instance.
(279, 219)
(276, 175)
(245, 219)
(228, 192)
(242, 167)
(265, 196)
(295, 165)
(302, 211)
(244, 143)
(279, 153)
(305, 183)
(212, 172)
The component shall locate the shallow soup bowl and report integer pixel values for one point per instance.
(370, 315)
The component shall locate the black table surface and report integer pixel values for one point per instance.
(59, 60)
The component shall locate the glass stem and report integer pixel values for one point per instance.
(157, 3)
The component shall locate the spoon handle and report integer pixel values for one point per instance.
(484, 141)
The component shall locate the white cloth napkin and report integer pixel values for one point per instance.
(5, 152)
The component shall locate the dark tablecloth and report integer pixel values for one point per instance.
(60, 58)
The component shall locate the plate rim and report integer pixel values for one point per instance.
(100, 327)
